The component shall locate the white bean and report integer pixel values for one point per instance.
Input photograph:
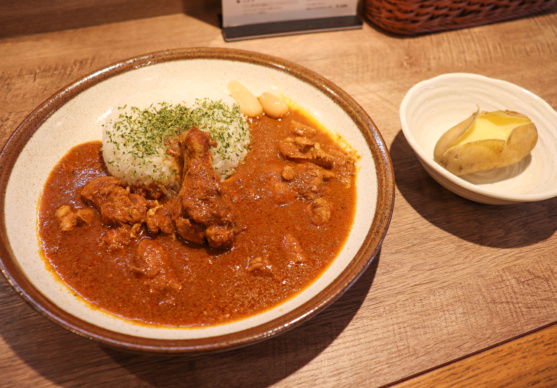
(273, 106)
(249, 105)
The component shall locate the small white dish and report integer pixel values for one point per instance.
(433, 106)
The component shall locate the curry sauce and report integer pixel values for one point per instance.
(282, 244)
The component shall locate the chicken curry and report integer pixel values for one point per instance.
(215, 252)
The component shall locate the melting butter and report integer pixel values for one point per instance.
(496, 125)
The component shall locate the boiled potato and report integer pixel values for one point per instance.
(484, 141)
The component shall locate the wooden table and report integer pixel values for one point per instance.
(460, 294)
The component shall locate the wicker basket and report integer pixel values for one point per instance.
(411, 17)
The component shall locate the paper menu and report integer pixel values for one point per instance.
(243, 19)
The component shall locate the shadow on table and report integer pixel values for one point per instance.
(259, 365)
(68, 360)
(505, 226)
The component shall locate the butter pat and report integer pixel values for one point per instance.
(486, 140)
(493, 125)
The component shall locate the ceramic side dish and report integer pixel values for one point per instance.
(76, 114)
(433, 106)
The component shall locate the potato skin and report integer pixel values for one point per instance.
(485, 154)
(450, 137)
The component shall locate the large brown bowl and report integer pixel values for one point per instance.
(76, 113)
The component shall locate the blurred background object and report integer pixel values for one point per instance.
(411, 17)
(248, 19)
(24, 17)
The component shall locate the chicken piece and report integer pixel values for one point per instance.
(300, 129)
(202, 199)
(118, 238)
(302, 149)
(220, 236)
(66, 217)
(262, 266)
(273, 185)
(160, 217)
(84, 216)
(154, 191)
(115, 203)
(257, 263)
(135, 230)
(69, 218)
(293, 250)
(190, 230)
(153, 265)
(307, 179)
(288, 173)
(173, 147)
(319, 211)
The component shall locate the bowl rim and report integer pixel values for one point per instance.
(497, 197)
(359, 263)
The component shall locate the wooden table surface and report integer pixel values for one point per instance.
(461, 294)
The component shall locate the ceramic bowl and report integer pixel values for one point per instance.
(433, 106)
(76, 114)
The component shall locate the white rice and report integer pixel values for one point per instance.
(134, 147)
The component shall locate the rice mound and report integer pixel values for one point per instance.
(134, 145)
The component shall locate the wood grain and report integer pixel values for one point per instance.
(527, 361)
(453, 277)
